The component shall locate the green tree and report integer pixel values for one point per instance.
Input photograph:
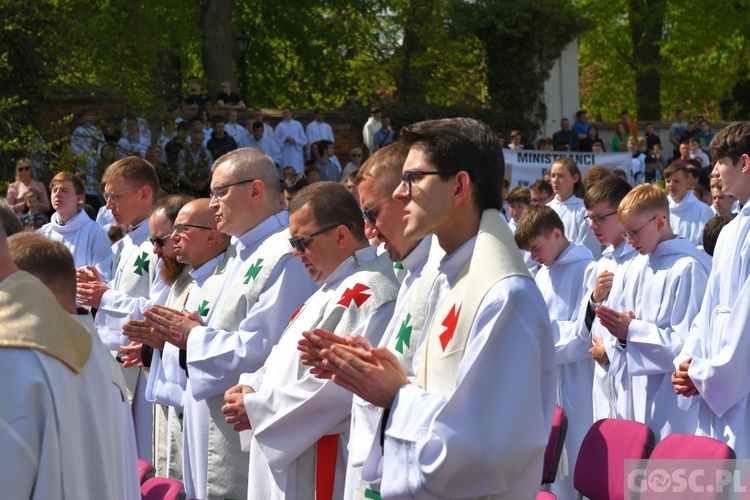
(521, 41)
(656, 55)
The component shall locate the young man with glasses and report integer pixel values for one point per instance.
(609, 286)
(489, 336)
(300, 423)
(415, 263)
(131, 188)
(668, 279)
(263, 285)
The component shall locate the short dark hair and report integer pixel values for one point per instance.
(172, 205)
(611, 189)
(673, 169)
(257, 124)
(294, 183)
(454, 145)
(331, 203)
(218, 119)
(536, 221)
(322, 146)
(542, 186)
(732, 141)
(711, 233)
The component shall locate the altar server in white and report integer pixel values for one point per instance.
(318, 130)
(72, 226)
(567, 185)
(566, 269)
(300, 424)
(131, 188)
(492, 325)
(263, 285)
(670, 277)
(712, 369)
(687, 214)
(291, 138)
(610, 287)
(58, 407)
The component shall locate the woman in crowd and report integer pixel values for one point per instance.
(24, 182)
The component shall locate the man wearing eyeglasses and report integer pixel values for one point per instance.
(670, 278)
(130, 191)
(416, 264)
(198, 245)
(488, 354)
(263, 284)
(300, 423)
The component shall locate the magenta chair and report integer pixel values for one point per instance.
(144, 469)
(600, 467)
(554, 446)
(161, 488)
(680, 450)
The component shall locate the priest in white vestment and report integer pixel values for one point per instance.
(263, 284)
(61, 400)
(300, 424)
(440, 439)
(291, 138)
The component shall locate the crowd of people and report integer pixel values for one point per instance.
(257, 332)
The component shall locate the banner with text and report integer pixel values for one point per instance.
(525, 167)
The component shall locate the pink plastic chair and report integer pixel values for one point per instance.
(161, 488)
(714, 456)
(600, 468)
(144, 469)
(554, 445)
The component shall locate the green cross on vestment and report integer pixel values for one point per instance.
(203, 308)
(141, 264)
(253, 271)
(404, 334)
(398, 265)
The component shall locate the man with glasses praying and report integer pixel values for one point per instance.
(200, 247)
(489, 336)
(131, 188)
(669, 279)
(300, 423)
(416, 266)
(262, 286)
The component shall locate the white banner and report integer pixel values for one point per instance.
(525, 167)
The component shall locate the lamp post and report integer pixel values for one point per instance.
(242, 41)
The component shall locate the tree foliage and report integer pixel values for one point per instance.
(702, 56)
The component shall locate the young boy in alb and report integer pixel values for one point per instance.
(713, 371)
(565, 270)
(668, 288)
(70, 225)
(688, 214)
(609, 287)
(519, 199)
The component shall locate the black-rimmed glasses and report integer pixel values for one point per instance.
(368, 214)
(408, 177)
(299, 243)
(598, 219)
(182, 228)
(160, 241)
(220, 191)
(634, 233)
